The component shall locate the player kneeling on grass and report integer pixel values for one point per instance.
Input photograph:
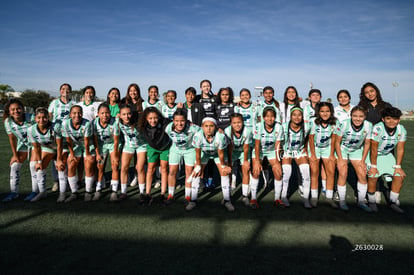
(75, 131)
(16, 123)
(43, 137)
(210, 144)
(181, 133)
(351, 144)
(295, 148)
(321, 146)
(239, 152)
(267, 136)
(387, 135)
(105, 133)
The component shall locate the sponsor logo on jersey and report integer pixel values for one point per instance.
(324, 139)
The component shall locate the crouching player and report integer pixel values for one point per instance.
(387, 135)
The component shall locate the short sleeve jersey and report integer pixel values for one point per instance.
(132, 138)
(47, 140)
(90, 111)
(105, 135)
(159, 104)
(268, 138)
(249, 114)
(219, 142)
(223, 113)
(322, 134)
(308, 113)
(168, 112)
(60, 110)
(76, 135)
(387, 141)
(353, 139)
(182, 140)
(263, 105)
(294, 140)
(246, 137)
(341, 114)
(19, 130)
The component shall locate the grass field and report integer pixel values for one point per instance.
(125, 238)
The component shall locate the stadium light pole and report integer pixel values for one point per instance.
(395, 85)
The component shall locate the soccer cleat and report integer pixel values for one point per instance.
(39, 196)
(332, 203)
(314, 202)
(373, 207)
(113, 197)
(245, 201)
(88, 197)
(55, 186)
(187, 200)
(343, 206)
(72, 197)
(61, 198)
(396, 208)
(30, 196)
(279, 203)
(96, 196)
(286, 202)
(123, 196)
(141, 199)
(254, 205)
(364, 207)
(11, 197)
(191, 205)
(229, 206)
(169, 200)
(307, 204)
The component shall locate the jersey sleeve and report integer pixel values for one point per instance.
(197, 140)
(65, 132)
(7, 126)
(51, 107)
(256, 133)
(222, 141)
(249, 137)
(403, 134)
(280, 136)
(376, 133)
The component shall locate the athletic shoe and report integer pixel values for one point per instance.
(307, 204)
(300, 189)
(61, 198)
(364, 207)
(148, 200)
(39, 196)
(11, 197)
(279, 203)
(187, 200)
(314, 202)
(373, 207)
(169, 200)
(336, 196)
(191, 205)
(157, 184)
(254, 205)
(88, 197)
(96, 196)
(343, 206)
(377, 197)
(286, 202)
(141, 199)
(55, 186)
(332, 203)
(396, 208)
(113, 197)
(30, 196)
(134, 181)
(123, 196)
(72, 197)
(228, 206)
(245, 201)
(178, 186)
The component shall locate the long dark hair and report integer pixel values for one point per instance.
(142, 121)
(286, 101)
(364, 102)
(43, 110)
(6, 113)
(318, 119)
(133, 118)
(180, 112)
(119, 96)
(304, 138)
(273, 97)
(231, 95)
(128, 99)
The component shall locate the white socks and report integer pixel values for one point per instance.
(171, 190)
(362, 192)
(88, 184)
(114, 185)
(342, 192)
(287, 173)
(305, 172)
(394, 196)
(141, 188)
(254, 183)
(73, 183)
(195, 185)
(62, 181)
(278, 189)
(33, 173)
(41, 180)
(225, 187)
(15, 176)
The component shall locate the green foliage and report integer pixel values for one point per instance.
(33, 99)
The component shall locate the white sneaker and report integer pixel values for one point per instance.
(61, 198)
(88, 197)
(191, 205)
(39, 196)
(72, 197)
(378, 197)
(245, 201)
(55, 186)
(134, 182)
(96, 196)
(157, 184)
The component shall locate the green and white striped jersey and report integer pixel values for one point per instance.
(268, 139)
(76, 135)
(308, 113)
(322, 134)
(105, 135)
(249, 114)
(60, 111)
(386, 141)
(168, 112)
(182, 140)
(19, 130)
(246, 137)
(262, 105)
(294, 140)
(353, 139)
(46, 140)
(159, 104)
(219, 142)
(131, 136)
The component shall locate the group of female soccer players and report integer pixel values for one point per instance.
(313, 139)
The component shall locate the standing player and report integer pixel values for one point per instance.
(225, 107)
(193, 110)
(153, 99)
(207, 98)
(270, 101)
(290, 100)
(89, 105)
(247, 109)
(387, 135)
(113, 100)
(169, 109)
(315, 96)
(343, 110)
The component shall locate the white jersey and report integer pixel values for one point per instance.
(59, 110)
(262, 105)
(352, 139)
(308, 113)
(19, 130)
(386, 141)
(90, 111)
(341, 114)
(46, 140)
(285, 114)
